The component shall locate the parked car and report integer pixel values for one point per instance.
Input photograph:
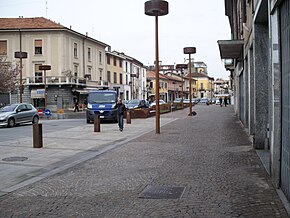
(135, 103)
(15, 114)
(154, 103)
(204, 101)
(177, 100)
(186, 101)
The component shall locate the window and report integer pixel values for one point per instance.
(89, 54)
(100, 57)
(126, 65)
(108, 59)
(3, 47)
(101, 74)
(115, 77)
(151, 85)
(76, 69)
(75, 50)
(121, 78)
(120, 62)
(201, 86)
(115, 61)
(89, 70)
(38, 74)
(38, 46)
(109, 76)
(126, 79)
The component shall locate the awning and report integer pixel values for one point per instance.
(81, 91)
(231, 49)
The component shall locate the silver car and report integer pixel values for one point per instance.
(14, 114)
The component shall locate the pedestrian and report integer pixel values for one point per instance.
(120, 114)
(221, 101)
(76, 106)
(225, 101)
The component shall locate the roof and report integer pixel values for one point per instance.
(37, 23)
(199, 75)
(28, 23)
(178, 79)
(151, 74)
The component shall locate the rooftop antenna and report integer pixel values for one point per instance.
(46, 8)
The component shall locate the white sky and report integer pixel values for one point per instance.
(123, 25)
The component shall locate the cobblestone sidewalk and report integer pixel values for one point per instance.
(209, 155)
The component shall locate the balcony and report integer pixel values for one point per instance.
(56, 80)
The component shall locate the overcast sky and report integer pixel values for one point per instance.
(123, 25)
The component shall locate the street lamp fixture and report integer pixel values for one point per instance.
(44, 68)
(156, 8)
(189, 51)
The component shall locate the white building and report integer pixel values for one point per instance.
(77, 61)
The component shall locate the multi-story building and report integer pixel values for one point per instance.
(115, 72)
(163, 86)
(258, 58)
(77, 61)
(138, 74)
(204, 85)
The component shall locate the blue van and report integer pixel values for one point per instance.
(102, 103)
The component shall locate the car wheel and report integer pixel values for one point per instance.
(88, 121)
(35, 119)
(11, 122)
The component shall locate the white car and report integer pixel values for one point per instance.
(154, 103)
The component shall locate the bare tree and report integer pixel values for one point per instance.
(8, 75)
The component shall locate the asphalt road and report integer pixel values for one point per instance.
(48, 126)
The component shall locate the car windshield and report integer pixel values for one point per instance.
(133, 102)
(102, 98)
(8, 108)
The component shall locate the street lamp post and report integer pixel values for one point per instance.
(44, 68)
(189, 50)
(181, 67)
(21, 55)
(156, 8)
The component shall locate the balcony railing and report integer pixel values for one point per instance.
(57, 80)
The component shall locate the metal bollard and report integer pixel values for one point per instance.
(97, 127)
(37, 135)
(128, 117)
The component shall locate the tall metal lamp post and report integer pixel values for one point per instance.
(156, 8)
(189, 50)
(181, 67)
(21, 55)
(44, 68)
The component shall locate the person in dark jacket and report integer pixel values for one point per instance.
(120, 114)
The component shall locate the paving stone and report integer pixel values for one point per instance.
(209, 154)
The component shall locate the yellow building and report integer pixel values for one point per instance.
(115, 72)
(163, 86)
(204, 85)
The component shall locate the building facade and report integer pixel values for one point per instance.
(259, 65)
(77, 61)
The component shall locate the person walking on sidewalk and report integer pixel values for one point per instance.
(221, 101)
(76, 108)
(225, 101)
(120, 114)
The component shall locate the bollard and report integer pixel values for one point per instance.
(97, 122)
(128, 117)
(37, 135)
